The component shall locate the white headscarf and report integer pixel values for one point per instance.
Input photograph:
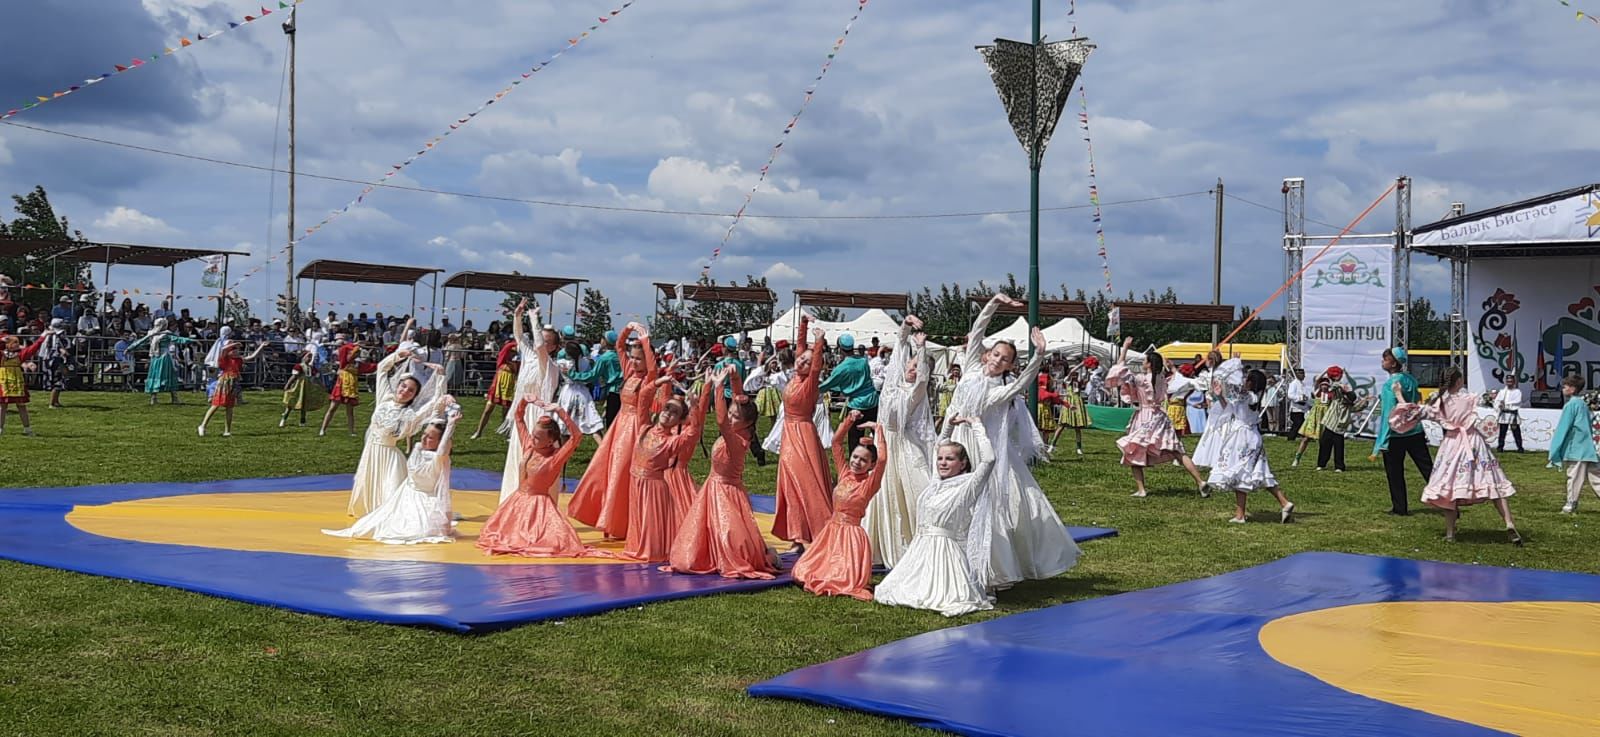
(215, 353)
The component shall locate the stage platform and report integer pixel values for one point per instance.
(1314, 644)
(260, 541)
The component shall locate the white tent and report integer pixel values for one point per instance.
(1066, 336)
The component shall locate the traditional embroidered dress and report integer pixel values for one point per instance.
(603, 495)
(839, 561)
(417, 511)
(935, 572)
(804, 504)
(909, 437)
(383, 466)
(13, 383)
(1465, 471)
(718, 533)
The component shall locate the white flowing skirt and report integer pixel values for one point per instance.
(891, 520)
(406, 517)
(577, 402)
(1027, 539)
(933, 574)
(1240, 461)
(382, 467)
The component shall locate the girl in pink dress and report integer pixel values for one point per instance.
(528, 523)
(719, 532)
(650, 515)
(679, 482)
(1150, 440)
(1465, 471)
(839, 561)
(603, 494)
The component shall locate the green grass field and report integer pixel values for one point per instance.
(81, 655)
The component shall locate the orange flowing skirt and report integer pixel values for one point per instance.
(530, 524)
(650, 522)
(719, 535)
(601, 499)
(804, 501)
(681, 485)
(838, 563)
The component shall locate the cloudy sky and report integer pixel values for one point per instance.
(676, 106)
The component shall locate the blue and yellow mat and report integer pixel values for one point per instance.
(1315, 644)
(260, 541)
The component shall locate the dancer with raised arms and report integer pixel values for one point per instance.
(162, 375)
(718, 534)
(530, 523)
(650, 513)
(417, 511)
(403, 403)
(1150, 440)
(539, 378)
(603, 494)
(839, 562)
(804, 504)
(905, 424)
(1016, 534)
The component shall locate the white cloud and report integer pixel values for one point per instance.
(781, 271)
(128, 225)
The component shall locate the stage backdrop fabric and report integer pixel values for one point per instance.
(1576, 218)
(1345, 313)
(1526, 316)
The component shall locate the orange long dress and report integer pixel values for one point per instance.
(839, 561)
(650, 514)
(602, 496)
(679, 482)
(804, 504)
(529, 523)
(719, 533)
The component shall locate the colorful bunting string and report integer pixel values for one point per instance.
(465, 120)
(811, 91)
(1094, 185)
(1582, 15)
(432, 143)
(137, 62)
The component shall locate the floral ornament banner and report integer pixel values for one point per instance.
(1019, 69)
(811, 91)
(183, 42)
(457, 124)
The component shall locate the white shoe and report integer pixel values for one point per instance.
(281, 421)
(1296, 463)
(322, 433)
(227, 434)
(1287, 513)
(1237, 520)
(1569, 508)
(28, 431)
(202, 430)
(1205, 491)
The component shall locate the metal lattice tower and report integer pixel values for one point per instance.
(1401, 287)
(1294, 245)
(1458, 301)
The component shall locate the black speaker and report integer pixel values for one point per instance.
(1545, 399)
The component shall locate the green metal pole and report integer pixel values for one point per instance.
(1035, 159)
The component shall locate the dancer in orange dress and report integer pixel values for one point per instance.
(839, 562)
(227, 391)
(504, 388)
(650, 513)
(528, 523)
(719, 532)
(346, 384)
(804, 504)
(602, 497)
(679, 482)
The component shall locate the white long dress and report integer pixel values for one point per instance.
(539, 377)
(577, 401)
(819, 416)
(1240, 462)
(383, 465)
(1205, 449)
(1016, 534)
(906, 422)
(934, 572)
(418, 510)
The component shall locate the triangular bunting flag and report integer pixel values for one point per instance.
(232, 25)
(265, 12)
(185, 42)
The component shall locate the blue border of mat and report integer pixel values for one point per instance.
(1176, 660)
(464, 598)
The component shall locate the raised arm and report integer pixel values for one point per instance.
(383, 387)
(689, 438)
(980, 326)
(841, 438)
(518, 332)
(524, 434)
(875, 481)
(650, 367)
(1026, 377)
(254, 354)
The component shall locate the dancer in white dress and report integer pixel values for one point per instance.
(1205, 449)
(403, 404)
(1240, 462)
(575, 397)
(418, 510)
(539, 379)
(906, 422)
(1016, 534)
(934, 572)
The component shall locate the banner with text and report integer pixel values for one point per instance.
(1345, 313)
(1576, 218)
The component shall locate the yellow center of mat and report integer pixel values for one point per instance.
(1521, 667)
(292, 522)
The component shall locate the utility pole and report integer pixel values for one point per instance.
(1216, 263)
(1035, 160)
(289, 305)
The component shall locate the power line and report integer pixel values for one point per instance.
(586, 206)
(1277, 210)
